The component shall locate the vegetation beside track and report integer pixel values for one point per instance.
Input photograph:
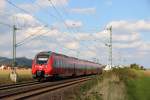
(139, 88)
(85, 91)
(23, 75)
(117, 84)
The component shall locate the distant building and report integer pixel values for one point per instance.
(107, 67)
(2, 67)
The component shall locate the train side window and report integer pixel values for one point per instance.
(58, 63)
(61, 63)
(66, 65)
(55, 63)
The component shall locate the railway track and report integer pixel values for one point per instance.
(8, 86)
(30, 91)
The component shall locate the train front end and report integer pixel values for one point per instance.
(42, 66)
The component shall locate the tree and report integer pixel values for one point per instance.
(135, 66)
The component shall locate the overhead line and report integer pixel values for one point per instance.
(5, 24)
(20, 43)
(28, 37)
(37, 18)
(41, 34)
(24, 11)
(61, 17)
(41, 8)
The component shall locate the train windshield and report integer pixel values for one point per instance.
(42, 59)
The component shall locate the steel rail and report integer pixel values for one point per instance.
(33, 90)
(10, 86)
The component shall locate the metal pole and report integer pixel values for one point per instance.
(111, 46)
(14, 46)
(13, 74)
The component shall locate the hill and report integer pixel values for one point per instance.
(21, 61)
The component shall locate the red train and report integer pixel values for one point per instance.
(50, 64)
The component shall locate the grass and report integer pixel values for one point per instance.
(137, 83)
(117, 84)
(86, 92)
(139, 88)
(103, 87)
(111, 87)
(23, 75)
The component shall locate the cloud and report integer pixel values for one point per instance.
(38, 5)
(72, 45)
(83, 36)
(73, 24)
(129, 37)
(88, 54)
(2, 4)
(30, 7)
(127, 45)
(25, 20)
(83, 10)
(46, 3)
(127, 34)
(145, 47)
(140, 25)
(125, 38)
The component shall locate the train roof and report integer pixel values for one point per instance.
(50, 52)
(45, 52)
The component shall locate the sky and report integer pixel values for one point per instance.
(78, 28)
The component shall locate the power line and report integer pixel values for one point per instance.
(67, 15)
(29, 13)
(41, 8)
(60, 16)
(23, 42)
(16, 6)
(28, 37)
(20, 43)
(5, 24)
(41, 34)
(25, 11)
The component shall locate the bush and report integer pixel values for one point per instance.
(125, 73)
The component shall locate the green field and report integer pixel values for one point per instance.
(23, 75)
(139, 88)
